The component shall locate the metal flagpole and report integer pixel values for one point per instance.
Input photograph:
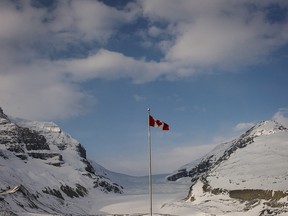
(150, 163)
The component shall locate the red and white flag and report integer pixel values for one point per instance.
(157, 123)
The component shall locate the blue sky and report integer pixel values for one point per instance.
(210, 69)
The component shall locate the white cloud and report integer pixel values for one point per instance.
(90, 20)
(19, 24)
(243, 126)
(196, 35)
(69, 23)
(138, 97)
(113, 65)
(31, 85)
(281, 116)
(42, 96)
(217, 33)
(154, 31)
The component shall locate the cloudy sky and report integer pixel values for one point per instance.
(210, 69)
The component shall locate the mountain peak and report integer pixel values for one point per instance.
(2, 114)
(266, 128)
(222, 152)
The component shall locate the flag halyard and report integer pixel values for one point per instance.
(158, 124)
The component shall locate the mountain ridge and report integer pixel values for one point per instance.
(225, 150)
(248, 174)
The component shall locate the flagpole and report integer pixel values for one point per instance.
(150, 163)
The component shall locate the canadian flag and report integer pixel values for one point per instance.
(157, 123)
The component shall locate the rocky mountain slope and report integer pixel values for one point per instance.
(43, 169)
(248, 174)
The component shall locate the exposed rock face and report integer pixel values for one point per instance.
(45, 161)
(24, 142)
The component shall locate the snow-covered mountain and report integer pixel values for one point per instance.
(43, 169)
(248, 174)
